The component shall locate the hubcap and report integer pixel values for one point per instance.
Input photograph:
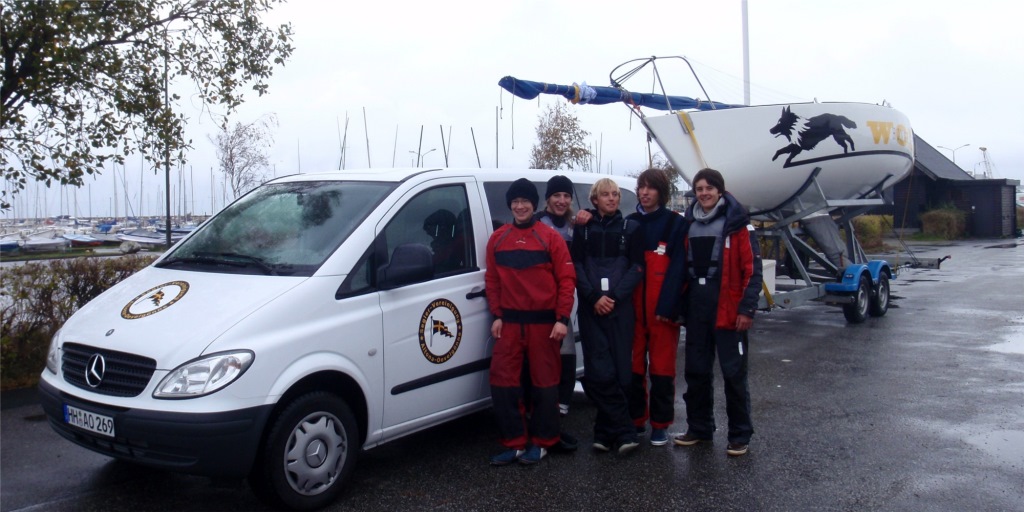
(316, 452)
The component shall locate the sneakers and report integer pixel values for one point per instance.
(641, 430)
(533, 455)
(567, 444)
(602, 445)
(659, 437)
(627, 445)
(506, 457)
(687, 439)
(736, 449)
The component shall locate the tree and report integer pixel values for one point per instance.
(84, 82)
(561, 141)
(241, 152)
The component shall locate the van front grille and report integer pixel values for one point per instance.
(124, 374)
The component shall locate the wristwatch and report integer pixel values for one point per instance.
(565, 320)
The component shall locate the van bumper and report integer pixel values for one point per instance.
(221, 445)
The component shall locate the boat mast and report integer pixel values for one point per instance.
(746, 56)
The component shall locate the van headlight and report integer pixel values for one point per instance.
(205, 375)
(53, 355)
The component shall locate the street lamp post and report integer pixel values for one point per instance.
(421, 156)
(953, 150)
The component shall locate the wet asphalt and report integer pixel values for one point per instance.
(922, 409)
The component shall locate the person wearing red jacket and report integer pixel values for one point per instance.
(722, 276)
(530, 282)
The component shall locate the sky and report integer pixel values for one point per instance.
(392, 69)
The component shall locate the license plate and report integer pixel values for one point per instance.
(103, 425)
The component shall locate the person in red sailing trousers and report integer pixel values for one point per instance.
(655, 340)
(530, 282)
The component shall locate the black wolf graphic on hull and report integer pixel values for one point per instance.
(813, 131)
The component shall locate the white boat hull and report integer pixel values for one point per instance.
(858, 146)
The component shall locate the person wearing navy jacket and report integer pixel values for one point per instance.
(608, 255)
(655, 340)
(722, 282)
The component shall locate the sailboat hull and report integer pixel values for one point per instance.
(767, 153)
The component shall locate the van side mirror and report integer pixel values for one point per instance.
(410, 263)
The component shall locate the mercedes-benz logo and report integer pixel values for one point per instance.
(94, 370)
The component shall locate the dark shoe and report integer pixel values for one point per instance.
(659, 437)
(736, 449)
(628, 445)
(533, 455)
(687, 439)
(602, 446)
(641, 430)
(567, 444)
(506, 457)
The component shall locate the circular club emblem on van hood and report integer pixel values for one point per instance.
(154, 300)
(440, 331)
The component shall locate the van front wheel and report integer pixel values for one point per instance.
(309, 453)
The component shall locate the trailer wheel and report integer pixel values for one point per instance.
(309, 453)
(857, 311)
(880, 299)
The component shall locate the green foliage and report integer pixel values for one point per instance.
(37, 298)
(945, 223)
(870, 229)
(84, 81)
(561, 141)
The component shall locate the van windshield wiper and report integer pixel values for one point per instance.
(222, 258)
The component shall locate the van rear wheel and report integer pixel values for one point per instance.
(309, 453)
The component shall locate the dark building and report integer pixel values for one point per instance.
(937, 182)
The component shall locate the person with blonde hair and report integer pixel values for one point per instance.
(608, 257)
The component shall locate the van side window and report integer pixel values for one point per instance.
(437, 219)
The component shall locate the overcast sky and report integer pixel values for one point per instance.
(954, 68)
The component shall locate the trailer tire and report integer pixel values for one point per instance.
(880, 299)
(857, 311)
(309, 453)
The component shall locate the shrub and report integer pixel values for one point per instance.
(37, 298)
(869, 230)
(945, 223)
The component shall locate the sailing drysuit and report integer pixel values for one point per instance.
(655, 342)
(567, 381)
(608, 250)
(722, 271)
(529, 284)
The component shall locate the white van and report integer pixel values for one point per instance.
(316, 316)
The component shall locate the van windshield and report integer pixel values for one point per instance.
(286, 229)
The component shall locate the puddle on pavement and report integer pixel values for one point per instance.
(1005, 445)
(1014, 343)
(1002, 246)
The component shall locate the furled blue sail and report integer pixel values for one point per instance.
(586, 94)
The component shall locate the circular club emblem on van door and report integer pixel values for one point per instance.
(154, 300)
(440, 331)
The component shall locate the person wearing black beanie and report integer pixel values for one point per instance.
(558, 183)
(530, 284)
(522, 188)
